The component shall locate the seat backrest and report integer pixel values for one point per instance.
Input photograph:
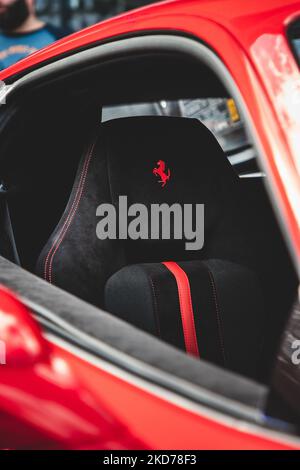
(150, 160)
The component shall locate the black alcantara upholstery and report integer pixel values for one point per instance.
(120, 161)
(226, 304)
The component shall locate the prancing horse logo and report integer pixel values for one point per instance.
(161, 172)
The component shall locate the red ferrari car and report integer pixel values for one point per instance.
(144, 342)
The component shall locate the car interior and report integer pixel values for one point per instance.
(89, 134)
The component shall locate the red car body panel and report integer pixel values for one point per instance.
(251, 40)
(53, 399)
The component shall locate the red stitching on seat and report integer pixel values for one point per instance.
(70, 217)
(219, 321)
(155, 305)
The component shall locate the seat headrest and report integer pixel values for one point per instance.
(156, 160)
(184, 150)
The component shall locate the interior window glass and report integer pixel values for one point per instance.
(220, 115)
(294, 35)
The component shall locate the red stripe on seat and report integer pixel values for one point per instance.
(186, 307)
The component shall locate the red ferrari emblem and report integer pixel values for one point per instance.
(161, 172)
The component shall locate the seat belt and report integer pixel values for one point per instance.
(8, 248)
